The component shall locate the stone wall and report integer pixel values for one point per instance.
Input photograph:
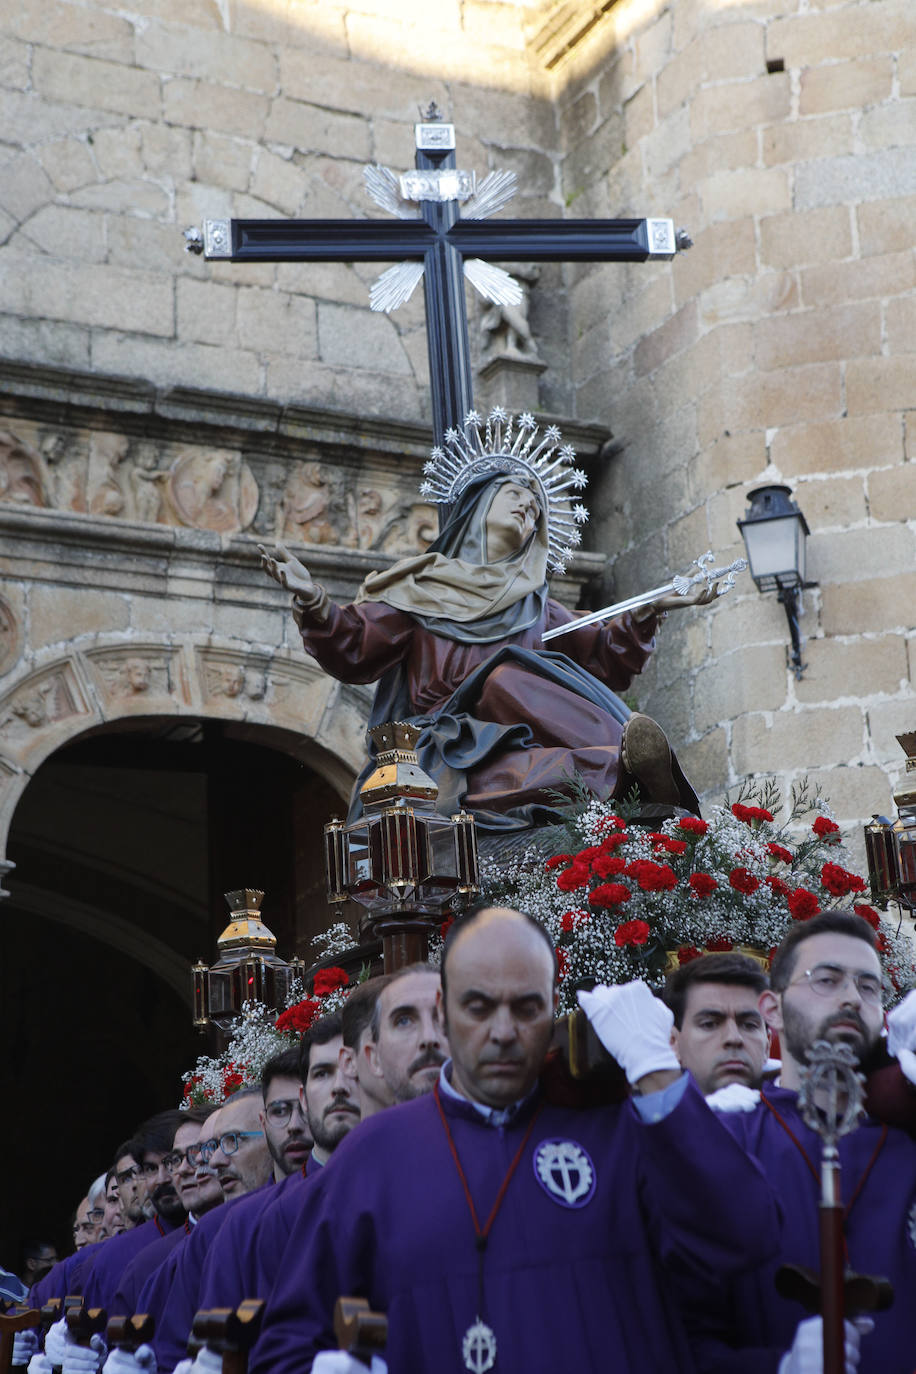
(120, 129)
(781, 348)
(781, 132)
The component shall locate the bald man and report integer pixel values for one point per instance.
(581, 1217)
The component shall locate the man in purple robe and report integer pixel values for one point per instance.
(719, 1033)
(199, 1191)
(176, 1292)
(826, 984)
(483, 1219)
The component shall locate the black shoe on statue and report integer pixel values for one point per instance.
(646, 756)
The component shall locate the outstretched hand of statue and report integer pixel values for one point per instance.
(674, 601)
(286, 569)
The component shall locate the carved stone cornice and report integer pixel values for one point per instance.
(113, 483)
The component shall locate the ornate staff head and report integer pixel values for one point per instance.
(831, 1093)
(504, 446)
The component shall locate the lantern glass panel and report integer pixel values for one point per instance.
(905, 835)
(776, 549)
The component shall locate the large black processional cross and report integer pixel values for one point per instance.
(432, 240)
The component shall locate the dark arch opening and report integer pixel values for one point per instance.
(124, 842)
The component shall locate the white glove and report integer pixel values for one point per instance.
(40, 1364)
(901, 1025)
(901, 1035)
(25, 1345)
(183, 1367)
(633, 1026)
(85, 1359)
(807, 1353)
(143, 1361)
(207, 1361)
(734, 1097)
(339, 1362)
(56, 1343)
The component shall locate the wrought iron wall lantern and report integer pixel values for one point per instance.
(402, 860)
(248, 968)
(890, 846)
(774, 533)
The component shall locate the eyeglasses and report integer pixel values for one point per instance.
(95, 1215)
(173, 1161)
(228, 1143)
(279, 1112)
(827, 979)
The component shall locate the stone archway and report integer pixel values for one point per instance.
(139, 780)
(103, 679)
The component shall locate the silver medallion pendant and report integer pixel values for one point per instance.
(479, 1348)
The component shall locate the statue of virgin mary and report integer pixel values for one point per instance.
(453, 639)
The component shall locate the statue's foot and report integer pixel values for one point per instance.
(645, 754)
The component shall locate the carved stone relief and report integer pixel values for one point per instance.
(125, 476)
(235, 681)
(22, 478)
(212, 490)
(133, 676)
(10, 637)
(312, 509)
(42, 700)
(271, 688)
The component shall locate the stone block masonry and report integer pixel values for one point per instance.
(781, 348)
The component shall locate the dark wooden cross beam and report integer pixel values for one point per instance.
(441, 240)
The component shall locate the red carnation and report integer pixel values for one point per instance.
(232, 1080)
(749, 814)
(611, 842)
(585, 856)
(572, 878)
(743, 881)
(570, 919)
(609, 894)
(607, 867)
(719, 945)
(883, 943)
(610, 823)
(687, 953)
(446, 926)
(652, 877)
(562, 964)
(823, 827)
(803, 904)
(702, 884)
(328, 980)
(632, 933)
(779, 887)
(694, 826)
(299, 1016)
(779, 852)
(869, 914)
(557, 860)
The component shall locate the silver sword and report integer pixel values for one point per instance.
(680, 584)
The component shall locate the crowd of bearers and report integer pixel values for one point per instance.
(416, 1151)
